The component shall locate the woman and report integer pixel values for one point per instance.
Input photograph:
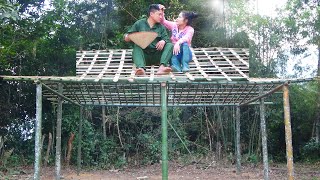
(181, 37)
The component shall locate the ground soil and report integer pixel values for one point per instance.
(176, 171)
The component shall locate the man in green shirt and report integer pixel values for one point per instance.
(159, 51)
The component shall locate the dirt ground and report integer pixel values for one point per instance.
(176, 171)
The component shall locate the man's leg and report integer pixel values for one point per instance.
(138, 58)
(166, 54)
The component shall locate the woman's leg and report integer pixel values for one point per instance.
(175, 63)
(186, 56)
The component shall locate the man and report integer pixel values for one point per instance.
(159, 51)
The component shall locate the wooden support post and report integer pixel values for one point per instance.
(264, 136)
(58, 134)
(38, 133)
(164, 126)
(79, 142)
(238, 150)
(287, 123)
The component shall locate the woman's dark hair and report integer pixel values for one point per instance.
(190, 16)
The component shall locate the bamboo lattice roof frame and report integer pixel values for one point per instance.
(208, 64)
(217, 77)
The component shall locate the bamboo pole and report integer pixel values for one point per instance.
(263, 95)
(79, 141)
(238, 152)
(164, 127)
(37, 146)
(264, 136)
(60, 95)
(58, 134)
(287, 123)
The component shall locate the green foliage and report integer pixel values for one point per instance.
(311, 151)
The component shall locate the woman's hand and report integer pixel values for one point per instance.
(161, 7)
(176, 49)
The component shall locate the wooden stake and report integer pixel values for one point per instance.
(287, 123)
(38, 127)
(264, 136)
(58, 133)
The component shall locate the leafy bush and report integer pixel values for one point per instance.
(311, 151)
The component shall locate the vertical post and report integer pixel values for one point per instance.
(79, 141)
(164, 127)
(103, 114)
(238, 151)
(287, 123)
(58, 134)
(264, 135)
(38, 133)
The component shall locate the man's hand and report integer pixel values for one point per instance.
(160, 45)
(126, 38)
(176, 49)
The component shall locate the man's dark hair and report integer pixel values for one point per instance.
(153, 8)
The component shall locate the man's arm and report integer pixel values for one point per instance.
(134, 28)
(164, 34)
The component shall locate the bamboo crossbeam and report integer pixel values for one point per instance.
(60, 95)
(81, 58)
(117, 76)
(241, 59)
(231, 64)
(216, 66)
(105, 67)
(264, 95)
(91, 66)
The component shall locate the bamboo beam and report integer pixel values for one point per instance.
(60, 95)
(264, 95)
(287, 123)
(106, 66)
(164, 127)
(79, 141)
(91, 66)
(264, 136)
(58, 134)
(38, 132)
(238, 147)
(157, 79)
(231, 64)
(117, 76)
(216, 66)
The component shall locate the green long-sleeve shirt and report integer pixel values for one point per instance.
(142, 25)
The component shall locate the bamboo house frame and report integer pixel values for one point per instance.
(217, 77)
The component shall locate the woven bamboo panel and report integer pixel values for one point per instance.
(148, 94)
(207, 64)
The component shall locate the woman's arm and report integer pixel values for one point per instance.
(168, 24)
(187, 37)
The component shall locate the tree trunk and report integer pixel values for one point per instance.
(46, 159)
(70, 148)
(318, 102)
(104, 122)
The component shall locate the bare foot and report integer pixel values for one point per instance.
(163, 70)
(140, 72)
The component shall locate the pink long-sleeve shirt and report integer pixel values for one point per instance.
(183, 36)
